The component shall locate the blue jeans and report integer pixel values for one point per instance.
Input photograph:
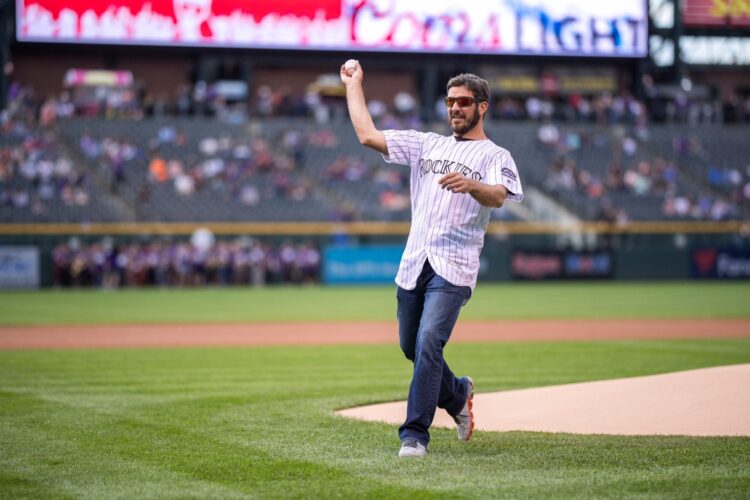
(426, 316)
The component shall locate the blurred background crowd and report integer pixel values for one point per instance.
(186, 263)
(634, 128)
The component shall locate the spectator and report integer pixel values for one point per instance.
(158, 169)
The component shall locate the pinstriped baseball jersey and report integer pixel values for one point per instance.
(447, 228)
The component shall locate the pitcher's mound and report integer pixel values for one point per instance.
(704, 402)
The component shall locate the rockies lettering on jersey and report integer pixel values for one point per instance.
(447, 228)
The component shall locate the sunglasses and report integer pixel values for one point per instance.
(463, 101)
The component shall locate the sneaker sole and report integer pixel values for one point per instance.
(470, 403)
(412, 455)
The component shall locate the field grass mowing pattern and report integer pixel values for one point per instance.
(259, 423)
(322, 304)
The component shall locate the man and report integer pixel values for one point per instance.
(456, 181)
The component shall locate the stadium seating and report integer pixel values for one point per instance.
(294, 169)
(39, 182)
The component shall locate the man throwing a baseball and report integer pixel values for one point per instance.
(455, 182)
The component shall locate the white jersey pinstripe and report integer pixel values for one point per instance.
(447, 228)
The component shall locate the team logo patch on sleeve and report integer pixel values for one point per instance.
(506, 172)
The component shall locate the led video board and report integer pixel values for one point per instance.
(613, 28)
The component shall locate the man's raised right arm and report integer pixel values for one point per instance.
(367, 134)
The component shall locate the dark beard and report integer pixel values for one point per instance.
(469, 125)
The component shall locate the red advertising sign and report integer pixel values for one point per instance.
(200, 21)
(719, 13)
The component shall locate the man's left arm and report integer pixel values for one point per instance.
(486, 195)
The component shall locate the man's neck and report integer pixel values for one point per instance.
(470, 137)
(475, 134)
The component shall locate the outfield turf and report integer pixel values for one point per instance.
(490, 301)
(259, 423)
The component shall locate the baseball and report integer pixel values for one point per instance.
(350, 66)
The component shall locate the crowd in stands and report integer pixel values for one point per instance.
(608, 108)
(249, 169)
(232, 165)
(604, 107)
(601, 108)
(323, 100)
(112, 154)
(244, 261)
(35, 170)
(727, 190)
(229, 164)
(656, 177)
(639, 175)
(390, 185)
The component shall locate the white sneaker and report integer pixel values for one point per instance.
(465, 418)
(412, 448)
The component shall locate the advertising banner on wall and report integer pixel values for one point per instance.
(616, 28)
(714, 263)
(540, 265)
(361, 265)
(716, 13)
(19, 267)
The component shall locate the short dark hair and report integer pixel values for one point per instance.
(478, 86)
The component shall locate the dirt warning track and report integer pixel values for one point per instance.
(256, 334)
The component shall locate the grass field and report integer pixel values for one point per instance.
(504, 301)
(259, 423)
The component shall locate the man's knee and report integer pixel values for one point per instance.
(409, 350)
(430, 345)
